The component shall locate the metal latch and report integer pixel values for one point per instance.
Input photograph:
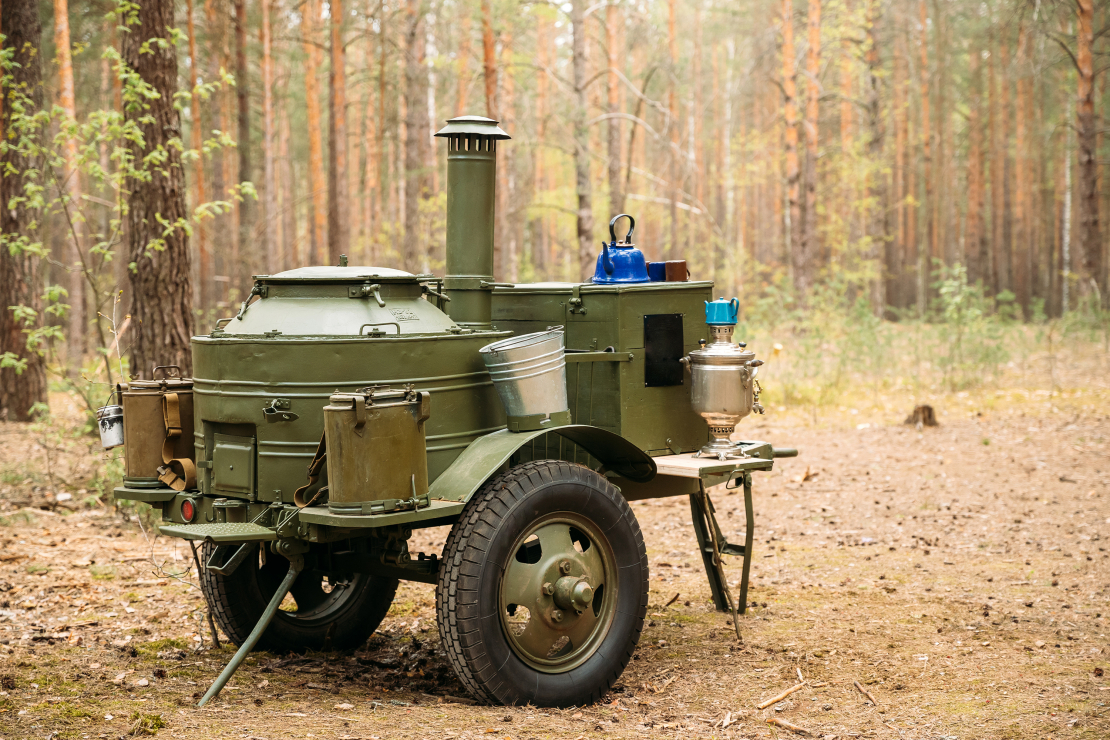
(278, 410)
(576, 301)
(365, 291)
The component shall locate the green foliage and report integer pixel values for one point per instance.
(104, 149)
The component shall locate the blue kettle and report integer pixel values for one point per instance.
(620, 262)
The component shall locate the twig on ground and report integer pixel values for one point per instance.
(673, 600)
(799, 670)
(787, 726)
(865, 692)
(776, 699)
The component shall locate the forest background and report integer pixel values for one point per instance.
(861, 170)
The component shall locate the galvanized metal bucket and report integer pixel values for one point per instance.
(110, 420)
(529, 373)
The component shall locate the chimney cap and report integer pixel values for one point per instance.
(479, 125)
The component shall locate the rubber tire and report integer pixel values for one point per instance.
(477, 550)
(237, 601)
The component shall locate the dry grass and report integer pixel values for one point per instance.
(959, 574)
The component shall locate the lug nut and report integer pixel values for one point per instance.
(564, 566)
(549, 588)
(557, 615)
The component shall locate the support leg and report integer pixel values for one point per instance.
(748, 535)
(295, 566)
(705, 546)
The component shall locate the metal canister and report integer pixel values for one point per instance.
(376, 454)
(723, 389)
(145, 425)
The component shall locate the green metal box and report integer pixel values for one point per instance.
(619, 390)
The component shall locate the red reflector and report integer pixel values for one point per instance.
(188, 510)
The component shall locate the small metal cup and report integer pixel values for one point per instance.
(110, 421)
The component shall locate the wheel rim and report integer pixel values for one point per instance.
(558, 592)
(318, 596)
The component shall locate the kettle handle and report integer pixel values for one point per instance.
(631, 227)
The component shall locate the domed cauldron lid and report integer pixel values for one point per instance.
(329, 274)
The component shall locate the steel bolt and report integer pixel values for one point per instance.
(549, 588)
(557, 615)
(564, 566)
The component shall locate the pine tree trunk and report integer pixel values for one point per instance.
(543, 259)
(489, 61)
(196, 130)
(672, 125)
(317, 179)
(1090, 244)
(416, 127)
(613, 125)
(584, 227)
(1019, 249)
(925, 266)
(900, 289)
(878, 227)
(372, 175)
(20, 278)
(510, 234)
(270, 184)
(339, 222)
(463, 81)
(161, 307)
(810, 245)
(795, 244)
(242, 92)
(78, 319)
(974, 238)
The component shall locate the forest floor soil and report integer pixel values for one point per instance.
(959, 574)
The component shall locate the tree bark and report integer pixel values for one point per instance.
(925, 267)
(673, 174)
(584, 227)
(613, 125)
(317, 180)
(878, 227)
(1090, 246)
(810, 244)
(162, 302)
(242, 92)
(795, 244)
(975, 237)
(1019, 248)
(416, 128)
(463, 81)
(269, 203)
(77, 338)
(196, 130)
(339, 222)
(489, 60)
(372, 174)
(20, 277)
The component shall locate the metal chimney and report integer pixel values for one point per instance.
(471, 199)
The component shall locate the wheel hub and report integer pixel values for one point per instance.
(556, 604)
(573, 593)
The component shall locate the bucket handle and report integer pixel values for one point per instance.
(631, 228)
(166, 374)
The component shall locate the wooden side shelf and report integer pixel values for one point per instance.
(688, 466)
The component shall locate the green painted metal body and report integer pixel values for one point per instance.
(262, 381)
(613, 394)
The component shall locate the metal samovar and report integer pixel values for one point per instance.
(723, 385)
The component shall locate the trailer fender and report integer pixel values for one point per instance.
(487, 454)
